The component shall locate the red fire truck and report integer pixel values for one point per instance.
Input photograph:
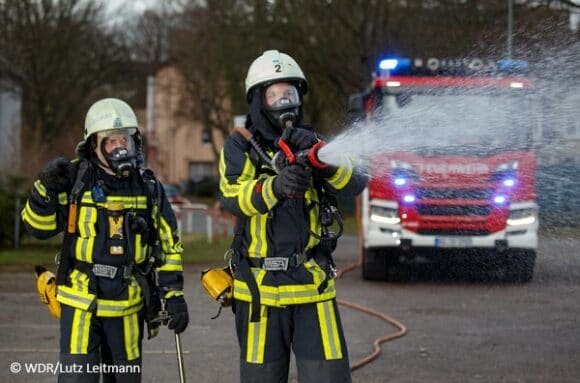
(465, 187)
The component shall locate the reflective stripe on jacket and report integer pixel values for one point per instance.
(46, 214)
(277, 228)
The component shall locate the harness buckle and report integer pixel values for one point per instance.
(106, 271)
(127, 271)
(275, 264)
(299, 258)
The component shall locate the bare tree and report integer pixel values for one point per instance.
(65, 54)
(210, 52)
(148, 34)
(337, 42)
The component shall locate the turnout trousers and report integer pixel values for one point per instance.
(313, 331)
(91, 346)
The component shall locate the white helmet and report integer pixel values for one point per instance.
(117, 144)
(109, 114)
(274, 66)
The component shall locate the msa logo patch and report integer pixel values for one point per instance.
(104, 270)
(275, 263)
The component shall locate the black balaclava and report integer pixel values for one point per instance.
(260, 120)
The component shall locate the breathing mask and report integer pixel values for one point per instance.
(281, 102)
(116, 150)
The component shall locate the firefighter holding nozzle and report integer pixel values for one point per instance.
(284, 199)
(121, 257)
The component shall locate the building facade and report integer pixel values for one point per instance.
(178, 148)
(10, 120)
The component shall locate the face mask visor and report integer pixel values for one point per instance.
(281, 102)
(281, 96)
(117, 148)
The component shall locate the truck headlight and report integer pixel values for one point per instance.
(403, 172)
(382, 214)
(522, 217)
(506, 171)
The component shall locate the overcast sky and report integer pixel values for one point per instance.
(121, 8)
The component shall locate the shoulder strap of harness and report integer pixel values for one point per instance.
(242, 263)
(66, 257)
(328, 241)
(153, 185)
(147, 278)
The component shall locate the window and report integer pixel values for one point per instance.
(205, 136)
(200, 170)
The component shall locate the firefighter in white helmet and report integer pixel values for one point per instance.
(120, 235)
(284, 292)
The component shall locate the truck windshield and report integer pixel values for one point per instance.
(453, 123)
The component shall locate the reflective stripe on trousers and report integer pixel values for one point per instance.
(313, 331)
(83, 336)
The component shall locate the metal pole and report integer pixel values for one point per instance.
(179, 358)
(17, 222)
(510, 28)
(150, 114)
(209, 226)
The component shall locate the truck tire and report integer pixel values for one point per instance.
(377, 264)
(519, 267)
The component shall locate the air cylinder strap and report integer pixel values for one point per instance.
(243, 265)
(65, 261)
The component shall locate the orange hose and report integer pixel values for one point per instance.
(377, 348)
(366, 310)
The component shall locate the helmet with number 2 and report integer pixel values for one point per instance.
(271, 67)
(277, 79)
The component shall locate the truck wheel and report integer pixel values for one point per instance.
(520, 266)
(377, 264)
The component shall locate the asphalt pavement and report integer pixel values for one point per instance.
(459, 330)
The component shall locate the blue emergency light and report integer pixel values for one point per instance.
(459, 66)
(400, 181)
(509, 182)
(499, 199)
(392, 64)
(513, 66)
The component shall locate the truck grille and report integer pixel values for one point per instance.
(446, 193)
(478, 210)
(458, 232)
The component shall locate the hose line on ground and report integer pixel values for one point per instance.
(366, 310)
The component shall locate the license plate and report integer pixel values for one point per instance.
(453, 242)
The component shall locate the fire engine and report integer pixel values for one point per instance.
(465, 189)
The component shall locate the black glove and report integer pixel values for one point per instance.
(280, 161)
(292, 182)
(58, 175)
(328, 171)
(300, 138)
(177, 308)
(82, 149)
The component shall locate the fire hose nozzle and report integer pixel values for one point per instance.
(307, 158)
(313, 158)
